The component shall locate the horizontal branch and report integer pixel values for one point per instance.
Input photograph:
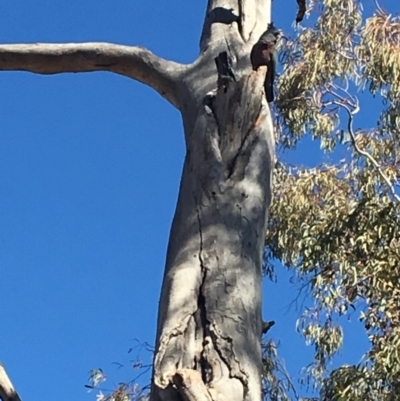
(132, 61)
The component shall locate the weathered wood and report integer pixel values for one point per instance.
(209, 324)
(253, 14)
(7, 390)
(210, 307)
(245, 19)
(131, 61)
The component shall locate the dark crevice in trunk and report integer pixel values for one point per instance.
(203, 323)
(214, 255)
(240, 152)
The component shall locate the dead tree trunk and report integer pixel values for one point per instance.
(209, 323)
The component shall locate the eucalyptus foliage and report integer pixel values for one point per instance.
(337, 225)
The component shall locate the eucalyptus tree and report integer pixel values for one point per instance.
(336, 224)
(209, 323)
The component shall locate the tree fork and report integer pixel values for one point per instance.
(209, 325)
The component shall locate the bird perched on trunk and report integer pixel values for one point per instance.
(264, 53)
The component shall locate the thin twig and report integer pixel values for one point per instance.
(380, 9)
(363, 152)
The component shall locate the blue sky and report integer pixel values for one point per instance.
(89, 172)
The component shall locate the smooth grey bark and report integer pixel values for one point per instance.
(131, 61)
(209, 327)
(209, 322)
(209, 319)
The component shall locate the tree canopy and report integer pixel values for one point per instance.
(336, 225)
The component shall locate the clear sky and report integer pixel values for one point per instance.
(89, 172)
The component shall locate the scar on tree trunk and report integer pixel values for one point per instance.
(210, 347)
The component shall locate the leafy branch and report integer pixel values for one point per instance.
(352, 107)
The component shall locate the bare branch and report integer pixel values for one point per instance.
(7, 391)
(363, 152)
(132, 61)
(380, 9)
